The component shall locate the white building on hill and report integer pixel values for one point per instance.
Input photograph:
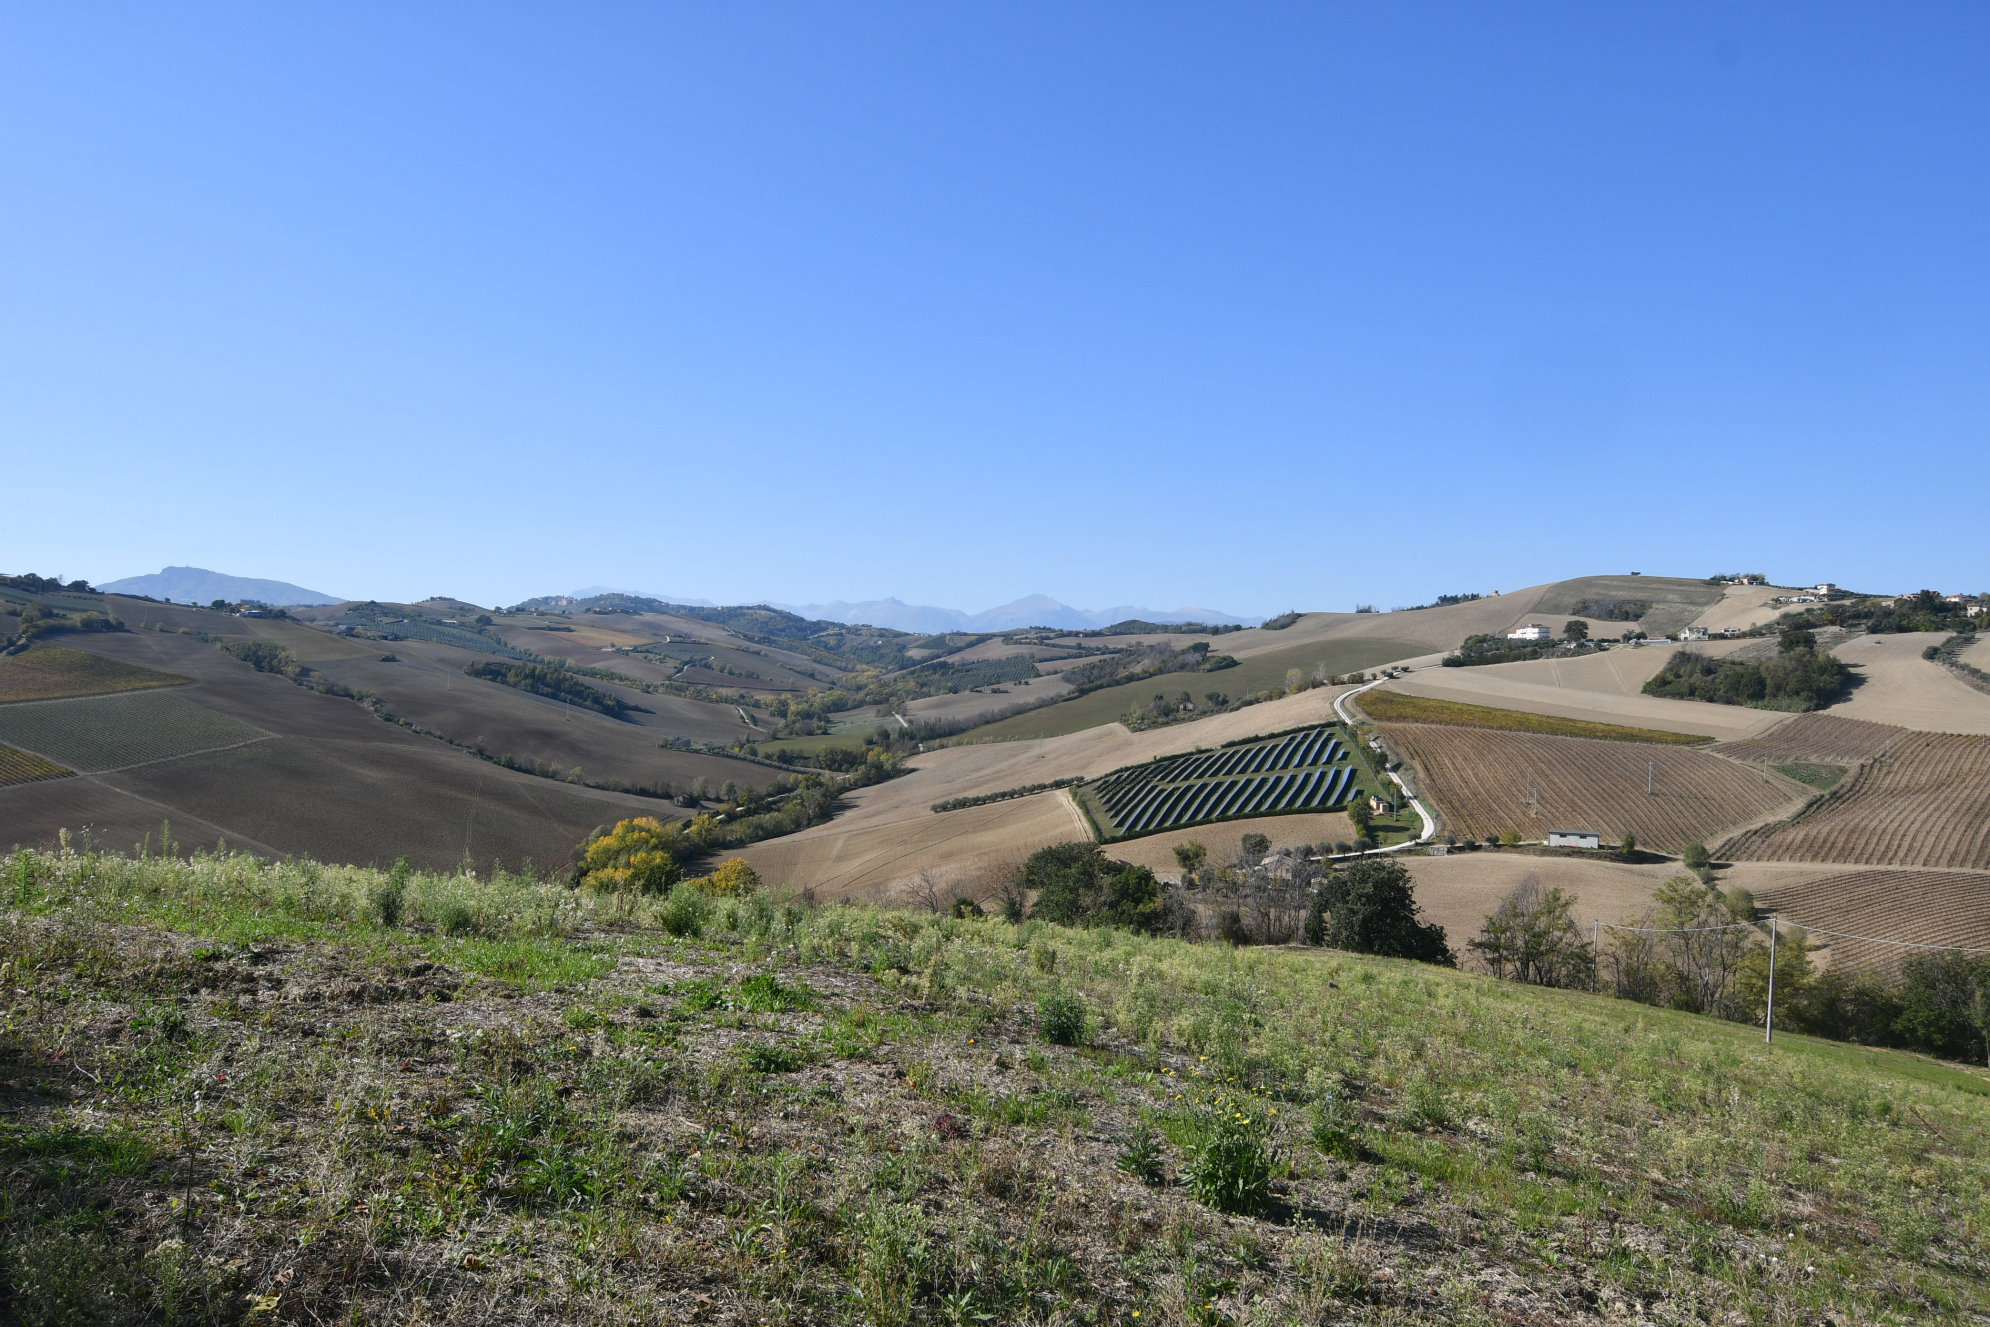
(1574, 838)
(1532, 631)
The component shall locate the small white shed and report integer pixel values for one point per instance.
(1574, 838)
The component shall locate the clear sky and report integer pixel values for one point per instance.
(1244, 306)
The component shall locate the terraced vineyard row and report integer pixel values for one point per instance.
(108, 732)
(1304, 771)
(1924, 801)
(1822, 738)
(24, 767)
(1919, 907)
(1485, 781)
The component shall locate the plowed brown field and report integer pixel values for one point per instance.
(1924, 801)
(1480, 779)
(1916, 907)
(1815, 737)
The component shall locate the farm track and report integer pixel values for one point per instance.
(1480, 780)
(1927, 907)
(1823, 738)
(1923, 801)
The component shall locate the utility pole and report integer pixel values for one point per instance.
(1595, 953)
(1651, 768)
(1769, 1021)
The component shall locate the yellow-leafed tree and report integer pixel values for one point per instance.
(638, 855)
(733, 876)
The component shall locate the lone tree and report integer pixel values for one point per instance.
(1190, 856)
(1532, 938)
(1370, 907)
(1574, 630)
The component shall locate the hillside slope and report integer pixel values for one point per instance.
(259, 1094)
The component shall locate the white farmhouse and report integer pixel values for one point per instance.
(1532, 631)
(1574, 838)
(1693, 633)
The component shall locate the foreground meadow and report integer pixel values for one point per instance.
(232, 1090)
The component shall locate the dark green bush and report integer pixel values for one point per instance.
(1061, 1019)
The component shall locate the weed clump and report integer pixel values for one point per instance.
(1061, 1019)
(1140, 1157)
(768, 1058)
(1232, 1163)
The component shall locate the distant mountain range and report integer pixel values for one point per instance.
(197, 585)
(1036, 610)
(592, 590)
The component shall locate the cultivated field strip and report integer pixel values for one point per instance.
(1923, 801)
(1824, 738)
(110, 732)
(1920, 907)
(48, 672)
(25, 767)
(1486, 781)
(1303, 771)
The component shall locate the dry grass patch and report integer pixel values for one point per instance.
(1395, 707)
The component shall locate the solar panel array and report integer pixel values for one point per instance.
(1304, 771)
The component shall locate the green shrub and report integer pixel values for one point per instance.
(1337, 1129)
(1232, 1162)
(456, 918)
(1061, 1019)
(684, 912)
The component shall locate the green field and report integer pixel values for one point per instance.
(22, 767)
(1250, 676)
(1308, 771)
(1816, 775)
(747, 1109)
(1395, 707)
(108, 732)
(50, 672)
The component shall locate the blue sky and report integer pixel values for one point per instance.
(1241, 306)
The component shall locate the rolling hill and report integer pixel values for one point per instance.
(197, 585)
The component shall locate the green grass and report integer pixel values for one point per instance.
(1817, 776)
(1396, 707)
(107, 732)
(539, 1103)
(1249, 677)
(50, 672)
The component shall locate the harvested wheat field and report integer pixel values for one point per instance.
(1225, 841)
(1896, 685)
(1484, 781)
(1742, 607)
(1460, 891)
(1924, 801)
(963, 851)
(1914, 907)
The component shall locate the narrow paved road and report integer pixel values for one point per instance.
(1423, 814)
